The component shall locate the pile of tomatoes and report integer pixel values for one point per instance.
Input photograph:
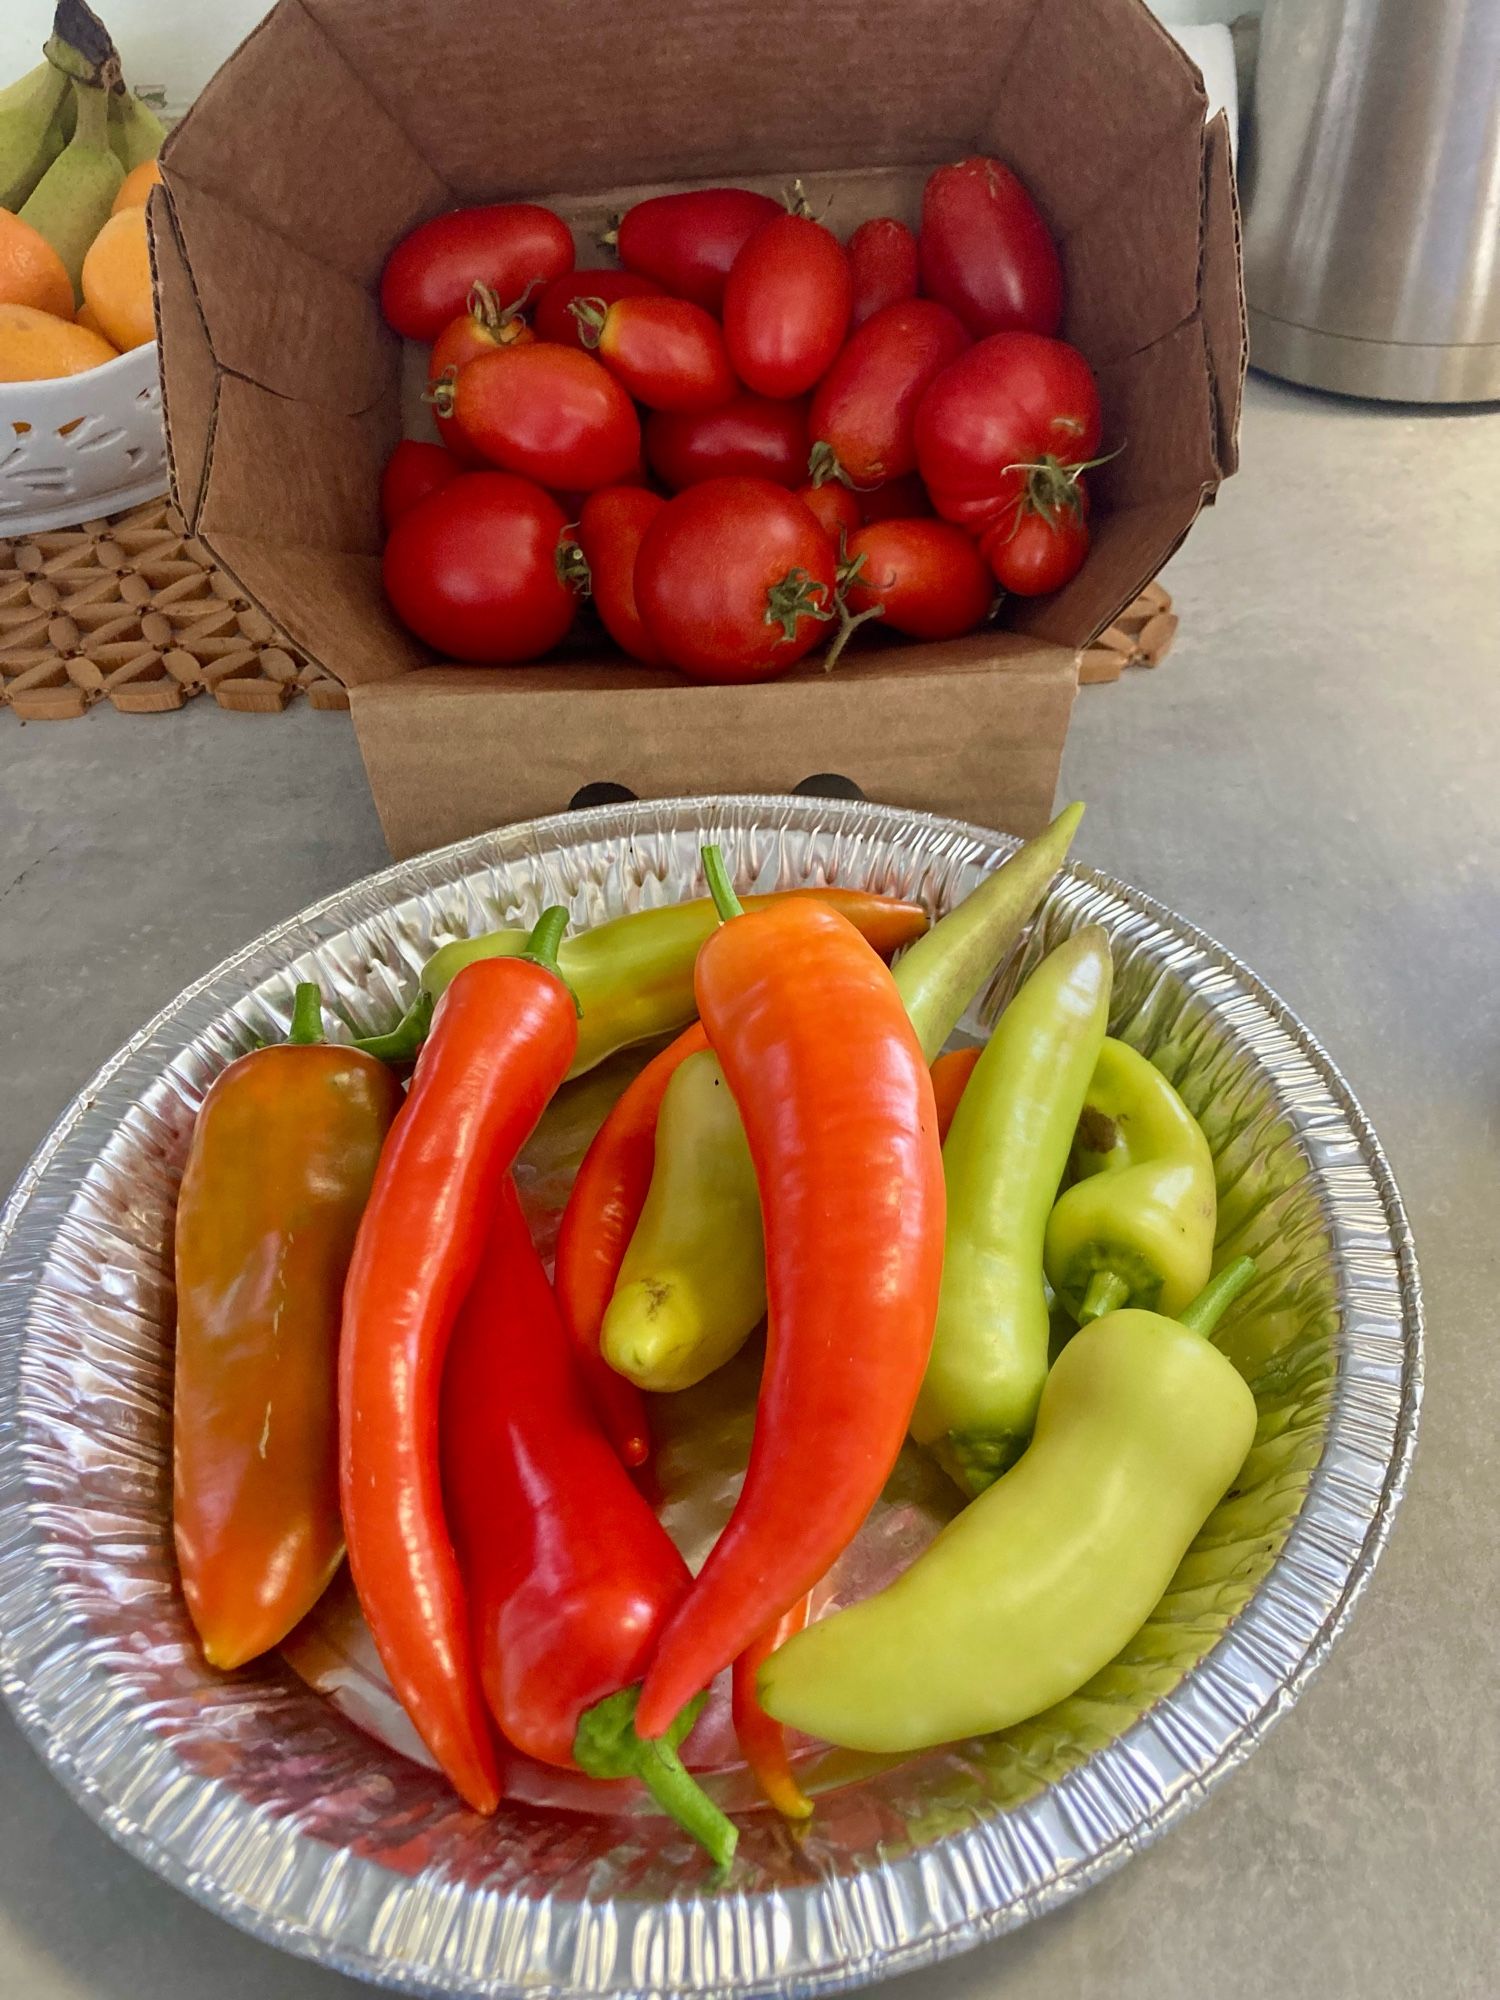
(746, 440)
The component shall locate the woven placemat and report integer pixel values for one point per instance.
(134, 612)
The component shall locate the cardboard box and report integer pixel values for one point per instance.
(341, 123)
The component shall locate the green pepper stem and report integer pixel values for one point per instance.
(606, 1746)
(545, 938)
(1107, 1292)
(1204, 1314)
(404, 1042)
(726, 902)
(307, 1013)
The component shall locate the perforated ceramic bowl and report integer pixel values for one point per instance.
(82, 446)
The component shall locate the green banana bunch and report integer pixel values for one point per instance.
(135, 131)
(71, 202)
(30, 131)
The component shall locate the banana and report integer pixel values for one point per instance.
(28, 142)
(135, 131)
(71, 202)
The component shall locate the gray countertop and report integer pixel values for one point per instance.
(1314, 777)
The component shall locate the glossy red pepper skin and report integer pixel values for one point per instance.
(502, 1041)
(569, 1574)
(603, 1209)
(761, 1738)
(838, 1107)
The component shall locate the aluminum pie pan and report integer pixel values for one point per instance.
(250, 1796)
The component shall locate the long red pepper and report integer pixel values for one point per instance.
(761, 1738)
(603, 1209)
(502, 1040)
(569, 1574)
(838, 1108)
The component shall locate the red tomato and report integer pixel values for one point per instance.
(865, 409)
(882, 257)
(1043, 545)
(472, 569)
(987, 253)
(668, 353)
(687, 242)
(412, 471)
(552, 319)
(929, 579)
(427, 276)
(551, 413)
(833, 506)
(786, 306)
(610, 532)
(747, 437)
(480, 328)
(1016, 410)
(895, 500)
(736, 581)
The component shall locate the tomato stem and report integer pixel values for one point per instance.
(590, 315)
(716, 874)
(848, 624)
(823, 465)
(440, 392)
(796, 596)
(572, 564)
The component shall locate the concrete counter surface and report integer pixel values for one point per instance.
(1314, 777)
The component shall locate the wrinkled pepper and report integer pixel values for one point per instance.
(568, 1573)
(1042, 1580)
(1137, 1226)
(1003, 1160)
(693, 1284)
(837, 1104)
(502, 1040)
(280, 1167)
(634, 975)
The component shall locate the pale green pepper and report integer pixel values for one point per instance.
(1137, 1225)
(1042, 1580)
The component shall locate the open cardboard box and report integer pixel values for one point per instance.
(341, 123)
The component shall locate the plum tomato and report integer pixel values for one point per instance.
(509, 246)
(882, 257)
(413, 470)
(473, 569)
(688, 242)
(834, 506)
(927, 576)
(736, 581)
(748, 437)
(550, 413)
(668, 353)
(864, 413)
(610, 531)
(480, 328)
(1042, 546)
(786, 306)
(986, 252)
(554, 321)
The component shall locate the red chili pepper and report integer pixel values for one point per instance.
(838, 1108)
(950, 1079)
(597, 1225)
(762, 1740)
(502, 1041)
(569, 1574)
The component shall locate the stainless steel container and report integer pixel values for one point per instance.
(1372, 179)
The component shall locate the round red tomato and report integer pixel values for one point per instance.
(551, 413)
(508, 247)
(688, 242)
(747, 437)
(552, 319)
(611, 529)
(786, 306)
(412, 471)
(480, 328)
(882, 257)
(895, 500)
(833, 506)
(736, 581)
(1042, 546)
(986, 252)
(928, 578)
(865, 409)
(668, 353)
(1015, 410)
(472, 569)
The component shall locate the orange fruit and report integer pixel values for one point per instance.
(137, 186)
(35, 346)
(85, 317)
(31, 272)
(117, 280)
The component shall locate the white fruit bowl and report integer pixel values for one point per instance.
(81, 446)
